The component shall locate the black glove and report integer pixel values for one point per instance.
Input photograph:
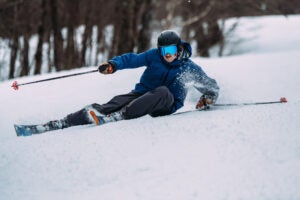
(204, 102)
(106, 68)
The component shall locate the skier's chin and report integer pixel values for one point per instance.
(170, 58)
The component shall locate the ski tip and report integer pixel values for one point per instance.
(21, 131)
(283, 100)
(17, 129)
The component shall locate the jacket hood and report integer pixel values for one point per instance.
(185, 51)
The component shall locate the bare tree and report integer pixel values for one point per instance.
(132, 23)
(41, 35)
(58, 40)
(25, 56)
(143, 20)
(14, 43)
(71, 57)
(128, 33)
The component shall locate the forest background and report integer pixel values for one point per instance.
(40, 36)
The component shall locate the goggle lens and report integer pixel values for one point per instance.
(172, 49)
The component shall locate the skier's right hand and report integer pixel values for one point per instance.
(106, 68)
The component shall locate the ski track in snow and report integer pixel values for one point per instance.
(239, 152)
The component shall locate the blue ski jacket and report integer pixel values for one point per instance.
(175, 75)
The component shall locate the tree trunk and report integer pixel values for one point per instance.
(143, 20)
(14, 46)
(41, 33)
(86, 35)
(127, 28)
(58, 40)
(72, 16)
(70, 49)
(202, 43)
(25, 54)
(38, 55)
(101, 45)
(207, 36)
(123, 41)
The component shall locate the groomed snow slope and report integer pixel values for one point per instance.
(248, 152)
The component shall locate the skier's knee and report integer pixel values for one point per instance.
(93, 107)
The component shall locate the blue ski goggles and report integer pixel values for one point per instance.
(172, 49)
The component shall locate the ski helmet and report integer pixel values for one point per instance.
(167, 38)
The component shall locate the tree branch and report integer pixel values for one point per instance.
(201, 16)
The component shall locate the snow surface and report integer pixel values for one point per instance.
(246, 152)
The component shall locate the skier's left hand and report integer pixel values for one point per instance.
(204, 102)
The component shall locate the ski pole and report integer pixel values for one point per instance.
(15, 84)
(282, 100)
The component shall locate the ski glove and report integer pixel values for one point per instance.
(106, 68)
(204, 102)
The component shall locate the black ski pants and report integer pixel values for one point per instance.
(157, 102)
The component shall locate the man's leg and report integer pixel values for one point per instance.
(157, 102)
(116, 103)
(82, 116)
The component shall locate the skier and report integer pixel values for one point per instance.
(161, 90)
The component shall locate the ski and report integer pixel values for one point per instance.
(27, 130)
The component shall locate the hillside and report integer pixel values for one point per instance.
(243, 152)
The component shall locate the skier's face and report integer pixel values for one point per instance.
(170, 58)
(169, 52)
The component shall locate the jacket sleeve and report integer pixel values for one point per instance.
(130, 60)
(205, 84)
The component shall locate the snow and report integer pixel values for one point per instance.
(245, 152)
(261, 35)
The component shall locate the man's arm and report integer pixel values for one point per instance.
(131, 60)
(207, 86)
(125, 61)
